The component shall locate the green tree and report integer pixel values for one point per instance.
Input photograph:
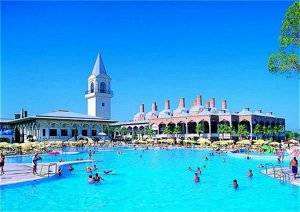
(108, 130)
(177, 130)
(224, 128)
(167, 130)
(123, 132)
(258, 129)
(242, 131)
(149, 131)
(286, 59)
(200, 128)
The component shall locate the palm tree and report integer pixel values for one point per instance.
(257, 130)
(200, 128)
(222, 129)
(177, 130)
(167, 130)
(108, 130)
(242, 131)
(149, 131)
(123, 132)
(117, 130)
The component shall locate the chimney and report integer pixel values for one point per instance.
(193, 103)
(181, 103)
(224, 104)
(154, 107)
(207, 104)
(199, 101)
(167, 104)
(142, 108)
(212, 103)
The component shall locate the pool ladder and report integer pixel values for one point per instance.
(277, 171)
(49, 169)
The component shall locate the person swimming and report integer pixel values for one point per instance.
(235, 184)
(206, 158)
(199, 170)
(96, 178)
(70, 167)
(107, 171)
(190, 169)
(196, 178)
(89, 169)
(95, 167)
(250, 173)
(90, 179)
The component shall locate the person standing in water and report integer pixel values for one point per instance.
(250, 173)
(196, 178)
(235, 184)
(294, 165)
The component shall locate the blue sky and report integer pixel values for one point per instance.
(152, 51)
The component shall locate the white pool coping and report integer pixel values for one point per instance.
(25, 169)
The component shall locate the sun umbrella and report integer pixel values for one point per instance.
(244, 142)
(274, 143)
(260, 142)
(294, 151)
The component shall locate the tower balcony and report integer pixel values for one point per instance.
(100, 91)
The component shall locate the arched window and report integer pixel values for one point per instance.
(102, 87)
(92, 88)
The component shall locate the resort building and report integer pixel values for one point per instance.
(63, 124)
(187, 118)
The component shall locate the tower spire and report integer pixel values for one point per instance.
(99, 67)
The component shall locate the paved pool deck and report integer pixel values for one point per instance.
(270, 173)
(16, 173)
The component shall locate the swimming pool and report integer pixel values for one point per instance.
(155, 180)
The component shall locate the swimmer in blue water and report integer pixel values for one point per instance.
(196, 178)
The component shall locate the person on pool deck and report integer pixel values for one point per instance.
(35, 159)
(250, 173)
(198, 170)
(235, 184)
(2, 160)
(294, 165)
(196, 178)
(90, 179)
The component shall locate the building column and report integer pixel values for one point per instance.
(209, 130)
(69, 130)
(47, 132)
(186, 129)
(251, 130)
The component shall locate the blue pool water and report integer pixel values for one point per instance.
(158, 180)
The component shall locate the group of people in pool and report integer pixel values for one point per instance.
(198, 172)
